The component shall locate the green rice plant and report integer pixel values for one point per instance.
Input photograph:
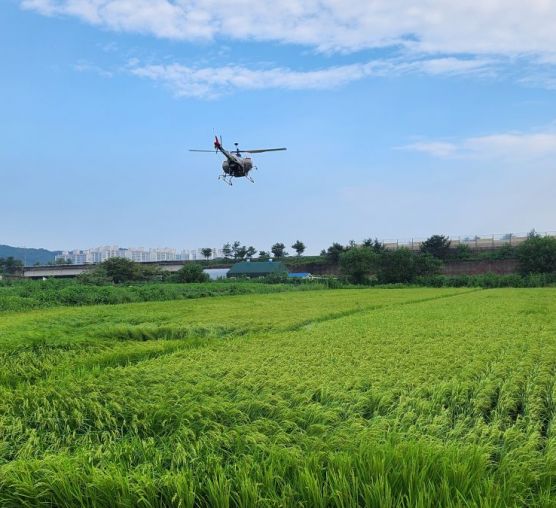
(402, 398)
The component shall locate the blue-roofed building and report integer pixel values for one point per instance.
(300, 275)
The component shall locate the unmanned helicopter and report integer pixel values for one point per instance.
(236, 165)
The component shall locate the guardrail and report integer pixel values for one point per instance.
(476, 242)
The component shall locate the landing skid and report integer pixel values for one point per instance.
(227, 179)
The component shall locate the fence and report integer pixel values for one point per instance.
(476, 242)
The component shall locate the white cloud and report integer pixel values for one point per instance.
(540, 80)
(502, 27)
(454, 66)
(512, 145)
(507, 146)
(434, 148)
(210, 82)
(83, 66)
(213, 81)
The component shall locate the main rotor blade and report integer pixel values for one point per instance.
(264, 150)
(208, 151)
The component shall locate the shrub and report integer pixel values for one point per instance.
(150, 273)
(505, 252)
(403, 265)
(426, 264)
(396, 266)
(537, 254)
(461, 251)
(120, 269)
(275, 278)
(191, 272)
(95, 276)
(357, 264)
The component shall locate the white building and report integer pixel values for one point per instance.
(140, 255)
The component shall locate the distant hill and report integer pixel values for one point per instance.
(28, 256)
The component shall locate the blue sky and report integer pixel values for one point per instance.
(400, 122)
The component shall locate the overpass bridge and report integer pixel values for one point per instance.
(66, 271)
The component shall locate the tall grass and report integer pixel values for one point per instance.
(28, 295)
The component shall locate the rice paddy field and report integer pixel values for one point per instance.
(341, 398)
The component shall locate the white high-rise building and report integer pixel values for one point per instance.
(139, 255)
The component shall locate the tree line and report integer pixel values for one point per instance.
(238, 252)
(359, 263)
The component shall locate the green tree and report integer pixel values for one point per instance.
(206, 252)
(537, 254)
(279, 250)
(147, 272)
(95, 276)
(375, 245)
(235, 246)
(462, 251)
(191, 272)
(120, 270)
(333, 253)
(299, 247)
(505, 252)
(403, 265)
(396, 266)
(227, 251)
(11, 266)
(425, 264)
(239, 251)
(264, 255)
(251, 251)
(357, 263)
(437, 246)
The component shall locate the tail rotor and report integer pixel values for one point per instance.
(217, 143)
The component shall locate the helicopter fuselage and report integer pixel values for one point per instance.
(234, 165)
